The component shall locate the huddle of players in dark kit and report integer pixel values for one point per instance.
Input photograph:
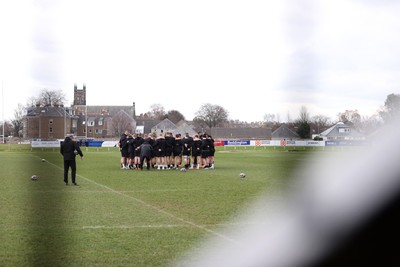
(166, 151)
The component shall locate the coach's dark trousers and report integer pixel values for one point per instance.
(148, 162)
(67, 164)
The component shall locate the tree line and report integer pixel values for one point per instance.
(212, 115)
(306, 125)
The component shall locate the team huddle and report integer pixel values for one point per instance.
(166, 151)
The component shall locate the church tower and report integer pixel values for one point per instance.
(79, 96)
(79, 105)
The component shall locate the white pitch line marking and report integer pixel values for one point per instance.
(159, 210)
(134, 226)
(162, 226)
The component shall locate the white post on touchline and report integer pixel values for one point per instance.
(2, 108)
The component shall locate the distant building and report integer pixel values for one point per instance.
(184, 128)
(341, 131)
(168, 126)
(49, 123)
(144, 126)
(81, 120)
(102, 122)
(163, 126)
(284, 132)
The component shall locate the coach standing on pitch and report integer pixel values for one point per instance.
(69, 149)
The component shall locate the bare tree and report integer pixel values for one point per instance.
(271, 121)
(350, 117)
(7, 129)
(269, 118)
(211, 115)
(278, 117)
(319, 123)
(32, 101)
(304, 116)
(289, 119)
(49, 98)
(371, 123)
(17, 121)
(174, 116)
(122, 122)
(157, 112)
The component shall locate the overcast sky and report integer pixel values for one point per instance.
(250, 57)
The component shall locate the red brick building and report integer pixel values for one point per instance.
(54, 122)
(49, 123)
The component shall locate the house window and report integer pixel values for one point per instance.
(90, 130)
(98, 131)
(91, 123)
(50, 129)
(84, 130)
(51, 121)
(100, 122)
(344, 130)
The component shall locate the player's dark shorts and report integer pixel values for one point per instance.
(186, 152)
(137, 153)
(131, 152)
(124, 153)
(205, 153)
(177, 153)
(159, 153)
(212, 152)
(168, 151)
(196, 152)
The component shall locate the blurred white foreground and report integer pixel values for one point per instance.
(337, 197)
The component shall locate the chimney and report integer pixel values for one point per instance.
(134, 111)
(37, 108)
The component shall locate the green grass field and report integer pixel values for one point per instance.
(123, 217)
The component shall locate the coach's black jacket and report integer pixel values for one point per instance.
(146, 150)
(69, 149)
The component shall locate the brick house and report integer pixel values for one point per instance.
(49, 123)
